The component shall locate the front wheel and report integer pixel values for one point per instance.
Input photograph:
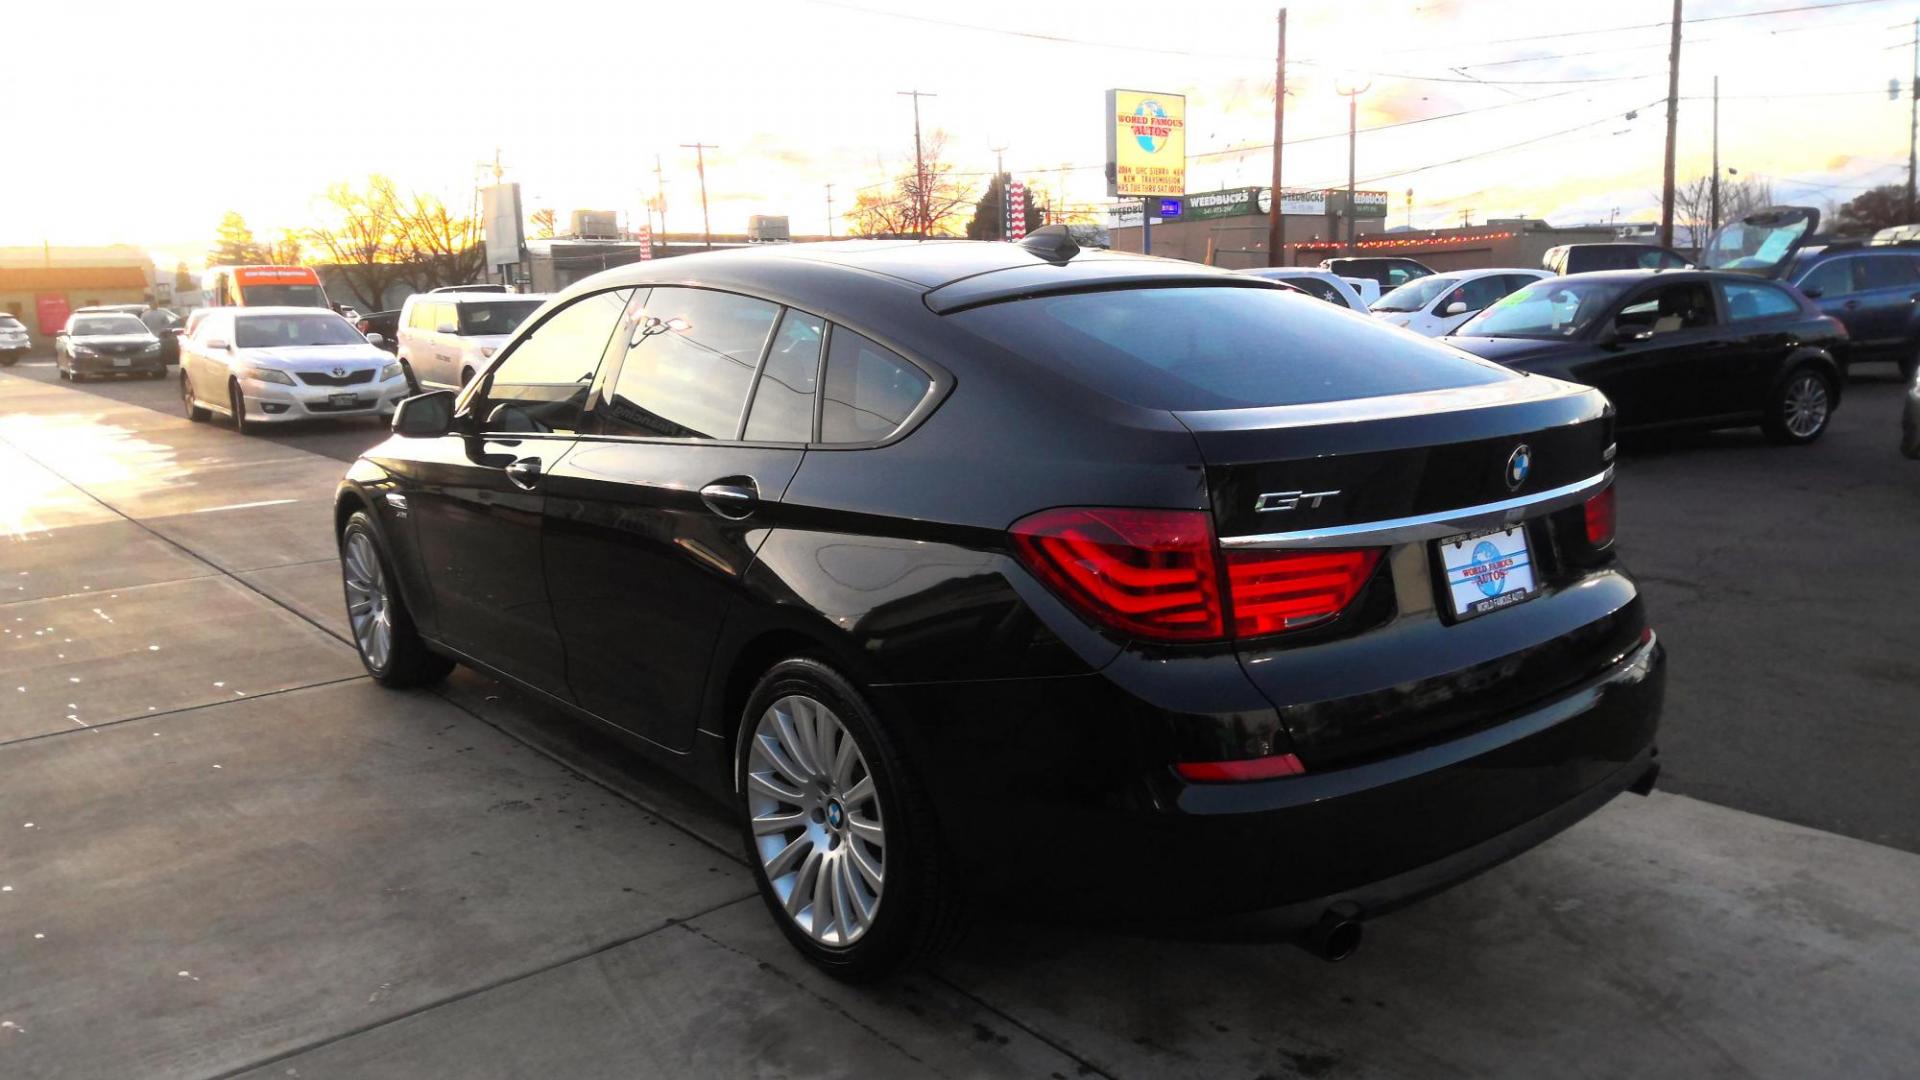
(194, 412)
(841, 836)
(237, 401)
(1802, 407)
(383, 632)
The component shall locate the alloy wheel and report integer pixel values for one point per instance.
(1804, 407)
(817, 823)
(369, 609)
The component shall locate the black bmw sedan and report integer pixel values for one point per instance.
(985, 573)
(1675, 348)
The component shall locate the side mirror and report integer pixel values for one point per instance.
(218, 344)
(374, 337)
(424, 416)
(1812, 294)
(447, 328)
(1458, 307)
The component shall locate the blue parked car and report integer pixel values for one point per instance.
(1871, 286)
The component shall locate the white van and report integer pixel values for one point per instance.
(447, 336)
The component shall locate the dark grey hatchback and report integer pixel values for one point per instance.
(1029, 577)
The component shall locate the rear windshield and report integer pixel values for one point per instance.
(1211, 347)
(1416, 294)
(495, 317)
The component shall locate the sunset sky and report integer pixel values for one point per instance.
(127, 127)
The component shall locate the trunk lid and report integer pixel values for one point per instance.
(1399, 473)
(1763, 243)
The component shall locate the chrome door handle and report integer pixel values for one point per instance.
(735, 497)
(524, 473)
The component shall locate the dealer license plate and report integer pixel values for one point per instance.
(1487, 571)
(343, 400)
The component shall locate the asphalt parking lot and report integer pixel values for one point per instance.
(224, 852)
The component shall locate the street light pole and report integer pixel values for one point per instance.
(1000, 182)
(1713, 186)
(700, 158)
(829, 211)
(1913, 121)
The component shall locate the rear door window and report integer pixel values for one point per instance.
(689, 365)
(871, 390)
(1214, 347)
(1883, 272)
(783, 399)
(1317, 288)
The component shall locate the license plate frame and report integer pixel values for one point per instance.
(1486, 571)
(344, 401)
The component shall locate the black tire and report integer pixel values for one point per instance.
(1909, 366)
(921, 910)
(9, 359)
(237, 401)
(1780, 406)
(195, 413)
(409, 662)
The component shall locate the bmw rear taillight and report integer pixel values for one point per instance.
(1600, 518)
(1286, 590)
(1145, 572)
(1158, 574)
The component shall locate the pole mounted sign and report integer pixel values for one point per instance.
(1016, 211)
(1146, 143)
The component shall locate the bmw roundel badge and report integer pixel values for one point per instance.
(1519, 464)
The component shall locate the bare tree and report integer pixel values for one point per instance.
(365, 238)
(1693, 203)
(438, 246)
(900, 207)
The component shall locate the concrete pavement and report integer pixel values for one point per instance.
(251, 860)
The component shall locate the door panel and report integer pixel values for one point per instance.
(643, 569)
(479, 536)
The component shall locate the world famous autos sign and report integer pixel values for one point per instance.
(1146, 143)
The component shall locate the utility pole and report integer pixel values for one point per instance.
(1673, 116)
(919, 165)
(1352, 93)
(700, 159)
(1409, 209)
(1466, 218)
(1913, 121)
(1713, 185)
(1276, 218)
(829, 211)
(660, 196)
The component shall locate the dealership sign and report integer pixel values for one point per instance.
(1250, 202)
(1146, 143)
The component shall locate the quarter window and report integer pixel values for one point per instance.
(689, 365)
(541, 386)
(870, 390)
(1747, 301)
(783, 400)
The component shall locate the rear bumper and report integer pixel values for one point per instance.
(1068, 826)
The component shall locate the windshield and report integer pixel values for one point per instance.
(280, 331)
(108, 324)
(1415, 295)
(1552, 309)
(496, 317)
(1759, 243)
(285, 296)
(8, 322)
(1213, 347)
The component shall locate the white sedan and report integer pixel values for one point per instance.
(1439, 304)
(265, 365)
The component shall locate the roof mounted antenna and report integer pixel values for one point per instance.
(1053, 243)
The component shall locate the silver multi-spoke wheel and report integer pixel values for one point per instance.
(1803, 410)
(369, 608)
(817, 823)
